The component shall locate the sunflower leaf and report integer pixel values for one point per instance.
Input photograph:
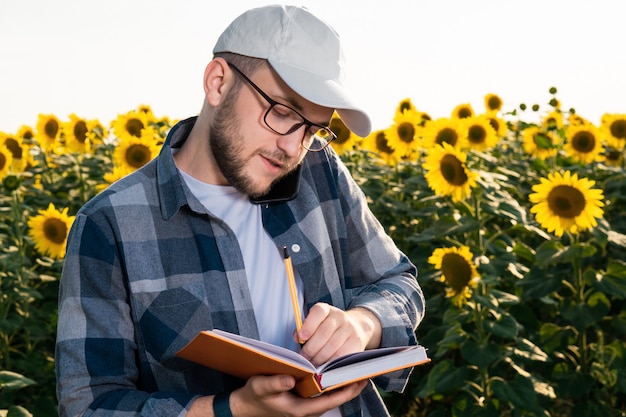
(480, 355)
(613, 282)
(520, 392)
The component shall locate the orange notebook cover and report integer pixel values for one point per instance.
(244, 357)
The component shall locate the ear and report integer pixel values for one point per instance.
(217, 81)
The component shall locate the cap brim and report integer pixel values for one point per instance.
(324, 92)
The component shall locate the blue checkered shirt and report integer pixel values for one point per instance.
(147, 267)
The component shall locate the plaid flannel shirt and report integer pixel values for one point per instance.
(147, 267)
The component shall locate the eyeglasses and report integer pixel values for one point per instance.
(284, 120)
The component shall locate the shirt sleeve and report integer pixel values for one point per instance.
(96, 365)
(384, 280)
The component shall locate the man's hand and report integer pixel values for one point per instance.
(270, 396)
(328, 332)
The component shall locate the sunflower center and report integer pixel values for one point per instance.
(51, 128)
(452, 170)
(494, 103)
(134, 127)
(55, 230)
(566, 201)
(404, 106)
(584, 142)
(464, 113)
(137, 155)
(613, 155)
(80, 131)
(456, 271)
(340, 129)
(618, 129)
(3, 161)
(14, 147)
(382, 144)
(447, 135)
(477, 134)
(406, 132)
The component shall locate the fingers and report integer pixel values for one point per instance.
(270, 396)
(328, 333)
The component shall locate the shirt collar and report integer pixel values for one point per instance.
(173, 193)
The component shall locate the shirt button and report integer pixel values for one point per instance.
(295, 248)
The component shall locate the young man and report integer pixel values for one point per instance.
(194, 241)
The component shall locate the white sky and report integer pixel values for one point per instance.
(100, 58)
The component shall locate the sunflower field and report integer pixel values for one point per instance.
(516, 226)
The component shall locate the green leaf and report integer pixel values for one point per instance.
(480, 355)
(556, 338)
(528, 350)
(504, 298)
(553, 252)
(12, 380)
(537, 284)
(613, 282)
(18, 411)
(520, 392)
(444, 378)
(583, 315)
(524, 251)
(506, 326)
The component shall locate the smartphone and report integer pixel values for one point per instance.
(285, 189)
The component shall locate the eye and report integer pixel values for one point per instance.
(282, 112)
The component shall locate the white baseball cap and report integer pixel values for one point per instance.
(303, 50)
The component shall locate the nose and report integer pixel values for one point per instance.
(291, 142)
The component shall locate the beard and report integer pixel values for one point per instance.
(227, 145)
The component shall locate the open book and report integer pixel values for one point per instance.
(244, 357)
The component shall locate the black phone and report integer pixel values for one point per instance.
(285, 189)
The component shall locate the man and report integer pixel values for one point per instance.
(194, 240)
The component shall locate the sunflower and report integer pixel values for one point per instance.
(447, 173)
(48, 131)
(49, 230)
(378, 143)
(575, 120)
(463, 111)
(565, 203)
(481, 135)
(498, 124)
(15, 145)
(346, 140)
(80, 134)
(405, 105)
(614, 128)
(444, 130)
(132, 153)
(404, 134)
(583, 143)
(26, 132)
(457, 271)
(493, 103)
(540, 143)
(131, 124)
(6, 160)
(613, 157)
(553, 120)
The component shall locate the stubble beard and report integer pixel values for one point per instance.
(227, 145)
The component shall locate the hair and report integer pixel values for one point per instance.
(247, 64)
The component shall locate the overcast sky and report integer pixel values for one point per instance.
(101, 58)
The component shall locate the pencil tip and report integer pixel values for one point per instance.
(285, 252)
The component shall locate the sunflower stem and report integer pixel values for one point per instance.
(579, 296)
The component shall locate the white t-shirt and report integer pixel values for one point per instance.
(265, 268)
